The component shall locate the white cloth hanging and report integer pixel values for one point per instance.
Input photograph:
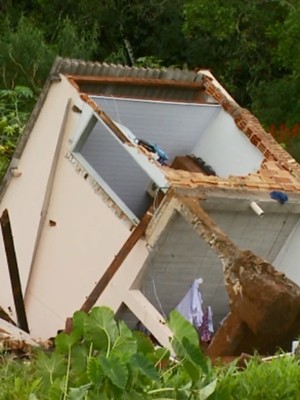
(190, 306)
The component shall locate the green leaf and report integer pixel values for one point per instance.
(195, 354)
(101, 328)
(208, 390)
(23, 91)
(116, 372)
(125, 344)
(181, 328)
(101, 396)
(185, 343)
(161, 357)
(134, 395)
(64, 341)
(124, 331)
(194, 361)
(146, 368)
(79, 318)
(94, 371)
(144, 344)
(79, 359)
(51, 366)
(57, 389)
(79, 393)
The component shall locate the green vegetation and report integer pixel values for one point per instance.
(276, 379)
(103, 359)
(13, 116)
(251, 46)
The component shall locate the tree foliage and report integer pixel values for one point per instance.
(13, 116)
(237, 39)
(251, 46)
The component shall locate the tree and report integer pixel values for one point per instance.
(277, 100)
(235, 40)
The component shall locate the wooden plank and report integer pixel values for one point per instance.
(106, 119)
(116, 263)
(112, 80)
(13, 271)
(178, 99)
(185, 163)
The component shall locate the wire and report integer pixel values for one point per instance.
(157, 298)
(117, 110)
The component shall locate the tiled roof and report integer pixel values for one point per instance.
(92, 71)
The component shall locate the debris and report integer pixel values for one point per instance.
(18, 343)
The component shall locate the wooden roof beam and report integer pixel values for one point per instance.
(163, 83)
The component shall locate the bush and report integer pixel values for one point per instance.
(102, 359)
(275, 379)
(14, 110)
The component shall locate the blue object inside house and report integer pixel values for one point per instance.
(281, 197)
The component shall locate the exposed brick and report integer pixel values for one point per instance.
(255, 139)
(261, 146)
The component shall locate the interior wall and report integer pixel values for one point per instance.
(227, 149)
(288, 258)
(103, 151)
(180, 256)
(174, 127)
(265, 235)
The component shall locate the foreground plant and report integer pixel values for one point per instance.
(104, 359)
(276, 379)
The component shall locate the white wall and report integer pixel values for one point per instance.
(25, 195)
(175, 127)
(288, 259)
(227, 149)
(72, 253)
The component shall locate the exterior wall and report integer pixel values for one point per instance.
(73, 254)
(25, 195)
(224, 147)
(75, 248)
(81, 233)
(287, 260)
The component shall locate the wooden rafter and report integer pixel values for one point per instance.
(162, 83)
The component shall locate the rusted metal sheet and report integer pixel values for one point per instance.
(13, 271)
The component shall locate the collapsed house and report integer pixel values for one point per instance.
(130, 184)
